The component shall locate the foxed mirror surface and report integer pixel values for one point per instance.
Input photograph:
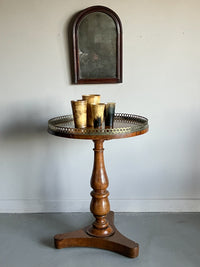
(97, 41)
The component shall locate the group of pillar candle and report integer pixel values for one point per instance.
(89, 112)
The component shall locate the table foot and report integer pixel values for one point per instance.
(116, 243)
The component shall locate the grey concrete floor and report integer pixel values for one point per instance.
(166, 240)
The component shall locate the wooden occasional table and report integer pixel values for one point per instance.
(102, 233)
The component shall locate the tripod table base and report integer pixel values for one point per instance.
(116, 242)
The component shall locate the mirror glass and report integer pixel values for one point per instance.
(97, 41)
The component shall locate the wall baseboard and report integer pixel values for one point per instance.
(129, 205)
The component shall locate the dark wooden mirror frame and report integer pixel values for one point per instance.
(76, 60)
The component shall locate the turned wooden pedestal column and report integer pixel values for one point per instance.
(100, 205)
(102, 233)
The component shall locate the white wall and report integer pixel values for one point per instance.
(158, 171)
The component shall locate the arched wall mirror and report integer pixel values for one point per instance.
(97, 46)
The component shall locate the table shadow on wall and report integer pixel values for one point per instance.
(30, 160)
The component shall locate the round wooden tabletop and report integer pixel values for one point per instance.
(125, 125)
